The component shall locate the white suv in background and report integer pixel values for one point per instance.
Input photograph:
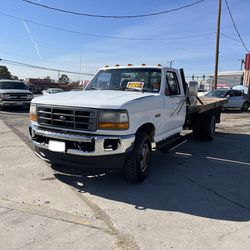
(14, 93)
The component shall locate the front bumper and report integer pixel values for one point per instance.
(5, 103)
(104, 162)
(81, 148)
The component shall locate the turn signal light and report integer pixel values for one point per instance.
(113, 125)
(33, 117)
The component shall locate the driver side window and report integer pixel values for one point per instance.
(172, 84)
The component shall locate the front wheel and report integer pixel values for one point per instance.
(245, 106)
(137, 166)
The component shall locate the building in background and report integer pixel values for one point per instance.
(246, 80)
(227, 79)
(37, 85)
(84, 83)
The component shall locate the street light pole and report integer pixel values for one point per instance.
(217, 47)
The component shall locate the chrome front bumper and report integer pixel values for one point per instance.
(124, 143)
(14, 103)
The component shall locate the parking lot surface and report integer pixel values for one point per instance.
(196, 197)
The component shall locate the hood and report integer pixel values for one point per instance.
(16, 91)
(92, 98)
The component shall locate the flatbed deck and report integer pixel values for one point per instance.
(208, 103)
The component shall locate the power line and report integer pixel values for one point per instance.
(106, 36)
(235, 27)
(33, 58)
(229, 37)
(43, 68)
(110, 16)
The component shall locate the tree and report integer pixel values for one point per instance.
(14, 78)
(63, 79)
(4, 73)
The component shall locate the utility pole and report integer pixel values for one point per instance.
(170, 63)
(217, 48)
(242, 62)
(80, 65)
(58, 73)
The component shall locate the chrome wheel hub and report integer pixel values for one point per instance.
(144, 157)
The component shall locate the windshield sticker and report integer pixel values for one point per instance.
(135, 85)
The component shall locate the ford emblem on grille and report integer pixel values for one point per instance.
(62, 118)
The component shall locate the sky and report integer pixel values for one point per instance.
(29, 43)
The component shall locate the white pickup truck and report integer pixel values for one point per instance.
(118, 119)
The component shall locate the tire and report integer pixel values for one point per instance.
(208, 127)
(197, 127)
(245, 106)
(137, 166)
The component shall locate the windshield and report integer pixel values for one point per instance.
(217, 93)
(135, 79)
(12, 85)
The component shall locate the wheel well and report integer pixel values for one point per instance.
(149, 128)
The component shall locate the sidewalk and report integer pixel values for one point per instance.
(39, 212)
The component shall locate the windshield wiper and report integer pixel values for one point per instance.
(93, 88)
(149, 90)
(138, 90)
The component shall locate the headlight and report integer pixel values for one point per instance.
(29, 96)
(33, 112)
(113, 120)
(5, 96)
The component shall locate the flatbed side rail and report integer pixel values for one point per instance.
(208, 104)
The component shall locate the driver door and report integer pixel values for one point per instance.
(175, 106)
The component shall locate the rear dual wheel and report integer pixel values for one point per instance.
(208, 128)
(204, 127)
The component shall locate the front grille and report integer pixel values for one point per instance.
(69, 118)
(17, 97)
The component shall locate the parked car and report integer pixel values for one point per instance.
(52, 91)
(202, 92)
(242, 88)
(236, 98)
(14, 93)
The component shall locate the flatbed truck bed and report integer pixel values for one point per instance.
(206, 104)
